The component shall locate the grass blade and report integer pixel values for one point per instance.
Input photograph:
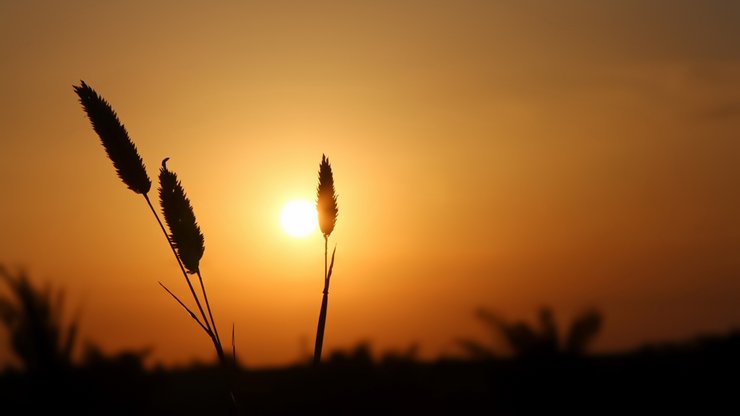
(192, 315)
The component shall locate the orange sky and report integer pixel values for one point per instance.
(485, 153)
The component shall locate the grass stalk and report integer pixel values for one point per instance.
(327, 210)
(318, 347)
(322, 312)
(216, 338)
(207, 327)
(190, 312)
(184, 237)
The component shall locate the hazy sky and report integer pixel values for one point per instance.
(503, 154)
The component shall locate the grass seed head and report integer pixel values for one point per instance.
(326, 204)
(178, 213)
(114, 137)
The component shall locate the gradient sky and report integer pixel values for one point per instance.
(502, 154)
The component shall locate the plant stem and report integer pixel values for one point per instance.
(216, 338)
(179, 262)
(322, 314)
(210, 328)
(320, 330)
(192, 315)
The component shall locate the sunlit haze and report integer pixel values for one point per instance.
(299, 218)
(495, 154)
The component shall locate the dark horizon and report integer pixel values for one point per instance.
(31, 308)
(486, 154)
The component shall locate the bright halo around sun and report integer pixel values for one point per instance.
(299, 218)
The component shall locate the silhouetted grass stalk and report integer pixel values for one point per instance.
(207, 326)
(326, 207)
(184, 237)
(187, 240)
(210, 313)
(132, 171)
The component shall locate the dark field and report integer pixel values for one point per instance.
(695, 377)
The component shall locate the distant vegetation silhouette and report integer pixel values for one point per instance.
(44, 343)
(39, 335)
(693, 376)
(528, 341)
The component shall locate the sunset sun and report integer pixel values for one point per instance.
(298, 218)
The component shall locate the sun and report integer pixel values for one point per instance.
(299, 218)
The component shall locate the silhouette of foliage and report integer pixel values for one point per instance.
(129, 361)
(582, 332)
(359, 356)
(33, 316)
(406, 357)
(528, 341)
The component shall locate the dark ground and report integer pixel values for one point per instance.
(697, 377)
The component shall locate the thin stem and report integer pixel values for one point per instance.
(192, 315)
(320, 330)
(234, 369)
(233, 344)
(216, 338)
(322, 313)
(213, 335)
(179, 262)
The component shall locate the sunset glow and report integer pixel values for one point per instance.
(496, 154)
(298, 218)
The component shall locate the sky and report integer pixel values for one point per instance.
(507, 155)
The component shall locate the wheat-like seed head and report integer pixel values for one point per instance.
(120, 149)
(326, 204)
(178, 213)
